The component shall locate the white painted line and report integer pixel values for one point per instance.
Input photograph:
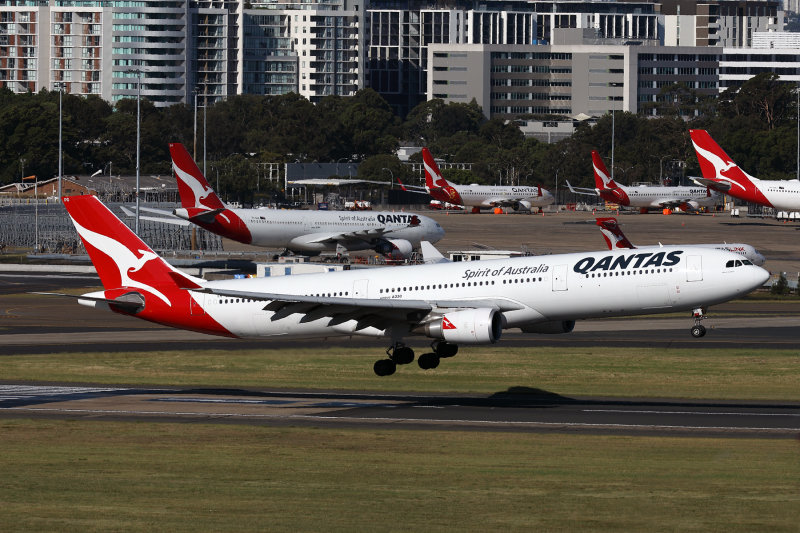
(405, 420)
(708, 413)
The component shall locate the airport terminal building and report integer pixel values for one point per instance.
(514, 57)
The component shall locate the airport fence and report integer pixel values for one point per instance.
(49, 229)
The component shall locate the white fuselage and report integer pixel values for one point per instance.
(783, 195)
(494, 195)
(656, 197)
(538, 288)
(314, 231)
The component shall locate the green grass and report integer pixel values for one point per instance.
(100, 476)
(677, 373)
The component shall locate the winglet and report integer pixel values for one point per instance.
(430, 254)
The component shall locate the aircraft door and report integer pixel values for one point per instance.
(360, 288)
(560, 278)
(694, 268)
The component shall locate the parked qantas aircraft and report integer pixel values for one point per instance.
(477, 196)
(449, 303)
(616, 240)
(391, 234)
(721, 173)
(646, 196)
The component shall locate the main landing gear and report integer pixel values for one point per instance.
(441, 349)
(698, 330)
(400, 354)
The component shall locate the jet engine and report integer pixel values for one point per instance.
(394, 248)
(552, 327)
(522, 205)
(470, 326)
(690, 205)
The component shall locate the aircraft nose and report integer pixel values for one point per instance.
(760, 276)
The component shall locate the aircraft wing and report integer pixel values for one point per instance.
(330, 238)
(505, 201)
(581, 190)
(721, 186)
(405, 187)
(370, 311)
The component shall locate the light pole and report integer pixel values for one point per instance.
(194, 151)
(60, 86)
(391, 184)
(138, 73)
(205, 113)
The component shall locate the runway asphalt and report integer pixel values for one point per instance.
(528, 411)
(31, 324)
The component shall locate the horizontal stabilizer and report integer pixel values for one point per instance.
(132, 305)
(207, 216)
(721, 186)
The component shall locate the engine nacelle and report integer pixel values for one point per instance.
(470, 326)
(552, 327)
(522, 205)
(394, 248)
(691, 205)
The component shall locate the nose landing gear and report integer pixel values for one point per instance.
(698, 330)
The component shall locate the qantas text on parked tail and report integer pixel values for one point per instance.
(449, 303)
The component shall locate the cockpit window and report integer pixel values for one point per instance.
(733, 263)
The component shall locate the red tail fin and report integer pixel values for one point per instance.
(715, 164)
(192, 185)
(437, 186)
(612, 233)
(131, 272)
(602, 179)
(121, 258)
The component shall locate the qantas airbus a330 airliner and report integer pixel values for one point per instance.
(450, 303)
(394, 235)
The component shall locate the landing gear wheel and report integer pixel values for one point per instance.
(698, 331)
(428, 361)
(384, 367)
(444, 349)
(402, 355)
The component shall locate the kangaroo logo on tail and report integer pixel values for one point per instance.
(193, 187)
(615, 239)
(437, 186)
(715, 164)
(602, 178)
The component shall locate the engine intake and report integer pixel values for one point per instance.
(470, 326)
